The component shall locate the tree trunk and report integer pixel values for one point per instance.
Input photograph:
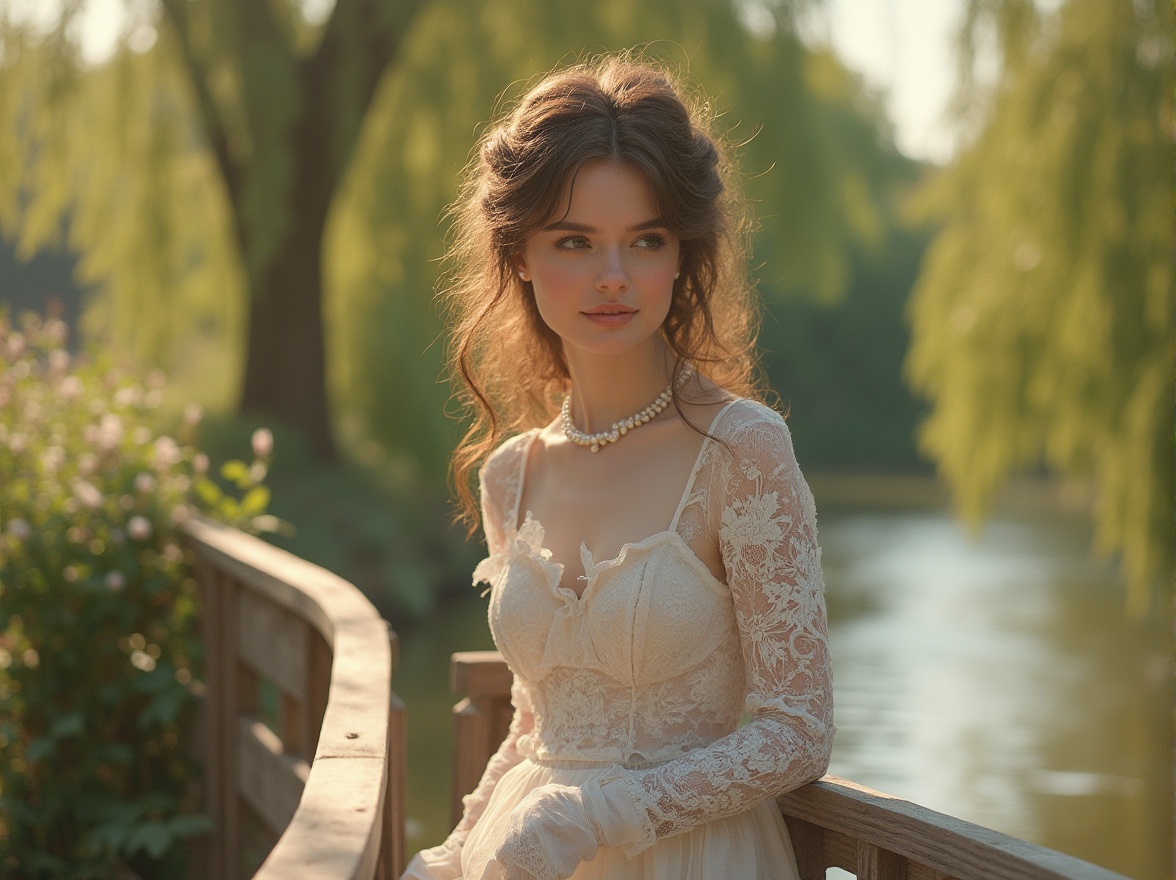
(285, 364)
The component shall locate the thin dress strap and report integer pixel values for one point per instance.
(522, 456)
(698, 463)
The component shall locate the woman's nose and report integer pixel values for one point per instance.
(612, 274)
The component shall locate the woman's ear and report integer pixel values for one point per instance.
(520, 264)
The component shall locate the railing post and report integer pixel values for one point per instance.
(875, 863)
(480, 721)
(227, 713)
(392, 853)
(212, 624)
(808, 845)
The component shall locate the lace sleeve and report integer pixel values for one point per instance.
(768, 538)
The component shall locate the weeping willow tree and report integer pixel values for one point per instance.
(1042, 319)
(199, 163)
(258, 197)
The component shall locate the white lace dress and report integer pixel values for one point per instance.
(640, 682)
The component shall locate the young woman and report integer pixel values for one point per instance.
(653, 571)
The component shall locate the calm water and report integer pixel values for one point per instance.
(995, 679)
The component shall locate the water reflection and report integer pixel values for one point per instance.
(996, 680)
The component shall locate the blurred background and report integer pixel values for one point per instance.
(965, 255)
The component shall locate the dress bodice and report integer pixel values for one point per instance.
(647, 663)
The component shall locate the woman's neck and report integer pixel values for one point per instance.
(606, 389)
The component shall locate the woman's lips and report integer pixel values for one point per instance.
(610, 317)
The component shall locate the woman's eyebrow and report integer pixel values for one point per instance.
(569, 226)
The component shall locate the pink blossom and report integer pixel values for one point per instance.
(19, 529)
(58, 360)
(128, 395)
(87, 494)
(110, 432)
(71, 388)
(263, 442)
(193, 413)
(144, 483)
(116, 581)
(139, 528)
(167, 453)
(56, 330)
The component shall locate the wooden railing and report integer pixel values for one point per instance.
(318, 791)
(833, 823)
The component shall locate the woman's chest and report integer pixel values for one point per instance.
(604, 502)
(651, 613)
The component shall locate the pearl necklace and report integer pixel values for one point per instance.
(619, 429)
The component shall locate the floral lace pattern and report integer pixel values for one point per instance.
(607, 676)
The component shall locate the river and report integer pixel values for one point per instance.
(996, 678)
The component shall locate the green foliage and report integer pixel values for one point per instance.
(98, 651)
(1042, 321)
(373, 520)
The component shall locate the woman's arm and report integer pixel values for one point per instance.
(767, 535)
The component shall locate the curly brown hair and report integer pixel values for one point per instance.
(510, 364)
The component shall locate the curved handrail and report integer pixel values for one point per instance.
(342, 826)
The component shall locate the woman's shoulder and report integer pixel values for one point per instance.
(741, 418)
(507, 458)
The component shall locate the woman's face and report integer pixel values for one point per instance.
(602, 268)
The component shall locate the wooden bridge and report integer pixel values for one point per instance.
(319, 791)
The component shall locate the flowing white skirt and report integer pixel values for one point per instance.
(750, 846)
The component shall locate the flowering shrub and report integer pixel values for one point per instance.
(98, 649)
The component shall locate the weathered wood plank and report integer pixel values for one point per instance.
(875, 863)
(915, 871)
(478, 674)
(318, 688)
(840, 850)
(270, 780)
(274, 642)
(213, 857)
(806, 844)
(472, 748)
(955, 847)
(392, 849)
(227, 718)
(481, 720)
(337, 828)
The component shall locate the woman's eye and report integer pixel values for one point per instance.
(651, 242)
(572, 243)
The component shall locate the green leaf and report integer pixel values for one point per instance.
(255, 501)
(191, 826)
(238, 472)
(154, 837)
(208, 491)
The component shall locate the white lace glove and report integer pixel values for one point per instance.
(441, 862)
(556, 827)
